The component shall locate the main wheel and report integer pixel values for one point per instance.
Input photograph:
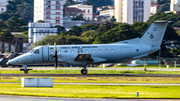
(26, 71)
(84, 71)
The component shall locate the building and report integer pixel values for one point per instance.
(2, 8)
(88, 10)
(36, 31)
(154, 8)
(50, 11)
(175, 6)
(4, 2)
(130, 11)
(108, 14)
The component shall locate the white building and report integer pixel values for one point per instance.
(4, 2)
(108, 14)
(51, 11)
(37, 31)
(88, 9)
(175, 5)
(130, 11)
(2, 8)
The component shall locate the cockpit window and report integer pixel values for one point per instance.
(36, 51)
(32, 51)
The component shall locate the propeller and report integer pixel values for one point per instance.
(55, 55)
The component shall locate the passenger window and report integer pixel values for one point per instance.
(65, 51)
(100, 51)
(112, 50)
(51, 52)
(106, 50)
(36, 51)
(59, 52)
(72, 51)
(93, 51)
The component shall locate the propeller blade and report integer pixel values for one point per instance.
(55, 55)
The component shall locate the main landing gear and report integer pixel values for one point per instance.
(84, 71)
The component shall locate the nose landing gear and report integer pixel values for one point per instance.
(25, 70)
(84, 71)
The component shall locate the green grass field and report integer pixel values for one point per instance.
(164, 80)
(87, 91)
(72, 71)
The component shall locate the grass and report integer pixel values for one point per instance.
(88, 91)
(103, 79)
(72, 71)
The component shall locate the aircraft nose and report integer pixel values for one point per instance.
(10, 62)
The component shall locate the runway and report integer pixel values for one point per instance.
(27, 98)
(91, 75)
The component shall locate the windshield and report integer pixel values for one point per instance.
(36, 51)
(32, 51)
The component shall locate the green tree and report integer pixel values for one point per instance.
(119, 33)
(75, 30)
(113, 19)
(166, 17)
(60, 28)
(87, 27)
(105, 27)
(40, 21)
(164, 7)
(14, 24)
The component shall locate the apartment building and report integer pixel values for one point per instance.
(51, 11)
(88, 10)
(130, 11)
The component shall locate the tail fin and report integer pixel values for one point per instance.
(154, 34)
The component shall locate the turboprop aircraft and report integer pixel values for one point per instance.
(82, 55)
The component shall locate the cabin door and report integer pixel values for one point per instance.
(45, 53)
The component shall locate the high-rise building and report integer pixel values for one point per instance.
(50, 11)
(175, 5)
(130, 11)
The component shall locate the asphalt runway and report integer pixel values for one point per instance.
(90, 75)
(27, 98)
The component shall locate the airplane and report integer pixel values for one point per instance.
(82, 55)
(4, 57)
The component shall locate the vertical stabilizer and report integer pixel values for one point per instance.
(154, 34)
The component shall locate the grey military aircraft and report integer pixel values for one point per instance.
(82, 55)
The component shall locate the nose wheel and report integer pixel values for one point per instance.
(84, 71)
(25, 71)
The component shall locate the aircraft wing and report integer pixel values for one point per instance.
(87, 57)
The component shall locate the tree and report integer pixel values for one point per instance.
(40, 21)
(119, 33)
(164, 7)
(105, 27)
(14, 24)
(113, 19)
(165, 16)
(60, 28)
(75, 30)
(87, 27)
(163, 1)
